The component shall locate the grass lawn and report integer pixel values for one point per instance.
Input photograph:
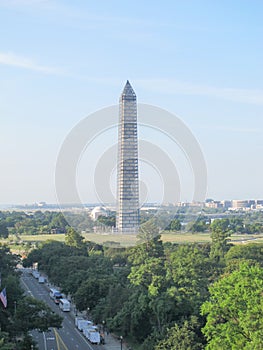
(42, 238)
(130, 240)
(122, 240)
(186, 237)
(117, 240)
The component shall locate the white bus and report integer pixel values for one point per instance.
(64, 304)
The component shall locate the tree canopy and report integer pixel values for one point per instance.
(235, 310)
(3, 229)
(154, 292)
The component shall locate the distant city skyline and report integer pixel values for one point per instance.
(61, 61)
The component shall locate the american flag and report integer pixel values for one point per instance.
(3, 297)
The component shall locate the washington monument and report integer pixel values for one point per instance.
(127, 168)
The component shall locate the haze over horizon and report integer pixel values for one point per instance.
(62, 61)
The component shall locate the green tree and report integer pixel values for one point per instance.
(220, 233)
(109, 306)
(5, 343)
(59, 222)
(91, 291)
(150, 275)
(74, 239)
(3, 229)
(182, 337)
(142, 310)
(252, 252)
(148, 231)
(8, 261)
(236, 224)
(107, 220)
(188, 271)
(235, 311)
(198, 225)
(35, 314)
(147, 260)
(134, 318)
(175, 225)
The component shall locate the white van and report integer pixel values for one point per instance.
(41, 279)
(83, 324)
(52, 293)
(64, 304)
(35, 274)
(77, 319)
(93, 335)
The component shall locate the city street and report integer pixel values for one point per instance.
(66, 338)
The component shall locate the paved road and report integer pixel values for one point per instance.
(66, 338)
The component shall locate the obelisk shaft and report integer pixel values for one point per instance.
(127, 169)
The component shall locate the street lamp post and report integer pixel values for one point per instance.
(103, 334)
(121, 338)
(88, 312)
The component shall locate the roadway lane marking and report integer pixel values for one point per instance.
(45, 341)
(27, 287)
(58, 338)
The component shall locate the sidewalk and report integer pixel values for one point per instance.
(113, 344)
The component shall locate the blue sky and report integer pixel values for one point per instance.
(62, 60)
